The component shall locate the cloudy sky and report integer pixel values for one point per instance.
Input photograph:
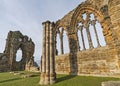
(27, 16)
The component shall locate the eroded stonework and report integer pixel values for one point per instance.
(15, 41)
(93, 61)
(99, 60)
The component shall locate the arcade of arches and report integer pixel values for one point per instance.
(93, 39)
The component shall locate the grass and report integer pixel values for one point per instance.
(8, 79)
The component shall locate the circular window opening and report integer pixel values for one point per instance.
(19, 55)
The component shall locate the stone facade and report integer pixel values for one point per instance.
(15, 40)
(92, 61)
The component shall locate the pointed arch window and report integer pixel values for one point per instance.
(90, 33)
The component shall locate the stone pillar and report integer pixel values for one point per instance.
(55, 42)
(52, 55)
(81, 31)
(61, 42)
(108, 31)
(47, 78)
(73, 52)
(78, 45)
(89, 37)
(41, 64)
(93, 23)
(43, 59)
(48, 75)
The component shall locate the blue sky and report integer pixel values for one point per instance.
(28, 15)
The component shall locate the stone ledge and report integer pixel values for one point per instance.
(111, 83)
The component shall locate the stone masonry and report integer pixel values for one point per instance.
(93, 61)
(15, 40)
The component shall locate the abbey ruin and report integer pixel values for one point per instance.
(100, 60)
(15, 41)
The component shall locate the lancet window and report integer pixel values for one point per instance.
(90, 33)
(62, 42)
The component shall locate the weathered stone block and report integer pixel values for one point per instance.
(111, 83)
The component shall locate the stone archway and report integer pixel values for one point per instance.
(101, 15)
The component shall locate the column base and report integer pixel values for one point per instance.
(42, 79)
(41, 82)
(46, 82)
(52, 78)
(47, 79)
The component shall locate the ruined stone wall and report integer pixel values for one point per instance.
(4, 66)
(100, 61)
(114, 12)
(15, 41)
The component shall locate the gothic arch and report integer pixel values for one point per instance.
(81, 9)
(100, 14)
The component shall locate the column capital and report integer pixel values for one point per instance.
(46, 22)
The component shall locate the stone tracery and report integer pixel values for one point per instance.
(86, 24)
(61, 40)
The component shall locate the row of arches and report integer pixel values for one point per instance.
(89, 33)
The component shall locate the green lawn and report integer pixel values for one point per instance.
(8, 79)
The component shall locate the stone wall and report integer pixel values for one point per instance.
(62, 64)
(100, 61)
(110, 83)
(15, 41)
(93, 61)
(4, 66)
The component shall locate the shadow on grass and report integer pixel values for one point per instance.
(67, 77)
(9, 80)
(33, 75)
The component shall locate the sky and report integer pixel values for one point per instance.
(27, 17)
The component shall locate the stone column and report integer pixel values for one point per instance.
(55, 42)
(47, 76)
(93, 23)
(108, 31)
(61, 42)
(78, 45)
(81, 31)
(43, 59)
(88, 35)
(52, 55)
(41, 65)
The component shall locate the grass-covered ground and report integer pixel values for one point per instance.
(9, 79)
